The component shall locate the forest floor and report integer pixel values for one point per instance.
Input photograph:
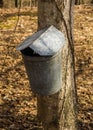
(18, 107)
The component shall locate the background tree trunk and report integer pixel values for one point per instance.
(16, 3)
(58, 111)
(1, 3)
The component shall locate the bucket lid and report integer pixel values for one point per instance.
(45, 42)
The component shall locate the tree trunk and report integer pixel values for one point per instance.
(1, 3)
(58, 111)
(16, 3)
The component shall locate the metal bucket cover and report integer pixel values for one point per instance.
(45, 42)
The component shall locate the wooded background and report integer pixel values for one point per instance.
(16, 3)
(17, 103)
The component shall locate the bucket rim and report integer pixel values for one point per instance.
(41, 58)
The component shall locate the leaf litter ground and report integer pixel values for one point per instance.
(18, 108)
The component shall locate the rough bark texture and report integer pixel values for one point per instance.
(58, 111)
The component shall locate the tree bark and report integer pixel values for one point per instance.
(59, 111)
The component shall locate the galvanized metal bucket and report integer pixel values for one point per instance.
(44, 73)
(42, 57)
